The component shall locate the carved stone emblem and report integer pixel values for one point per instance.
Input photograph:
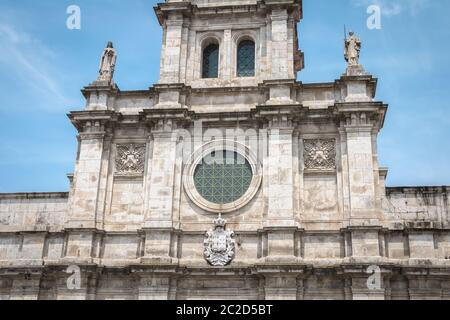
(130, 159)
(320, 154)
(219, 244)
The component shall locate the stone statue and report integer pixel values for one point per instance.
(352, 49)
(107, 64)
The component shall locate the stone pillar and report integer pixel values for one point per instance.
(100, 96)
(365, 242)
(280, 282)
(32, 248)
(227, 65)
(87, 286)
(25, 287)
(422, 244)
(5, 288)
(426, 287)
(280, 92)
(171, 49)
(154, 287)
(281, 287)
(280, 225)
(83, 210)
(279, 171)
(86, 202)
(362, 286)
(158, 224)
(361, 186)
(79, 246)
(361, 119)
(280, 244)
(170, 86)
(87, 199)
(170, 96)
(279, 44)
(281, 75)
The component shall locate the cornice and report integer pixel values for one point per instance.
(187, 8)
(163, 9)
(96, 120)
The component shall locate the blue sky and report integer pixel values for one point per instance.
(43, 66)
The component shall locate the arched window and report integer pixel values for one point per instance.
(210, 67)
(246, 59)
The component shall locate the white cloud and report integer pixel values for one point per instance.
(390, 8)
(26, 59)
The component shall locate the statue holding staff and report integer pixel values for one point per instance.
(352, 49)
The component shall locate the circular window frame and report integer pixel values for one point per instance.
(197, 158)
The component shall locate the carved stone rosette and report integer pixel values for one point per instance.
(320, 154)
(130, 159)
(219, 244)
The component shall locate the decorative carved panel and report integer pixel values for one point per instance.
(130, 159)
(320, 154)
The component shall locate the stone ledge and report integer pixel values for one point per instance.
(417, 189)
(34, 195)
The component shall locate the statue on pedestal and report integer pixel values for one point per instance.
(352, 49)
(351, 54)
(107, 64)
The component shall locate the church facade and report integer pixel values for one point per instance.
(228, 179)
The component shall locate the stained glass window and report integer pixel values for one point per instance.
(210, 61)
(223, 177)
(246, 59)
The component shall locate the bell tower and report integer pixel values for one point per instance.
(228, 43)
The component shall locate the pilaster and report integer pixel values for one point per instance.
(87, 285)
(159, 226)
(171, 48)
(93, 127)
(358, 123)
(26, 287)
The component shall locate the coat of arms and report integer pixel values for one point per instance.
(219, 244)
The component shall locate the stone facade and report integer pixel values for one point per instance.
(315, 221)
